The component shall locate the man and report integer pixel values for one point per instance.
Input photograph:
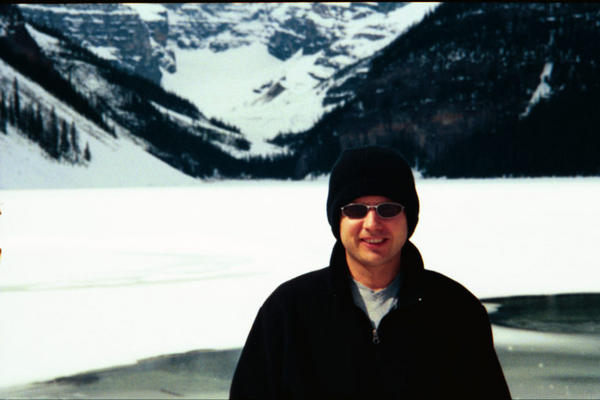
(374, 324)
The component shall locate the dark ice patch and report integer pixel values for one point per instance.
(198, 374)
(81, 379)
(561, 313)
(576, 379)
(219, 364)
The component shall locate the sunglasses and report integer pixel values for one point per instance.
(384, 210)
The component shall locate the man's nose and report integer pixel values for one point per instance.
(371, 219)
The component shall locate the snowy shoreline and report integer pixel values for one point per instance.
(536, 365)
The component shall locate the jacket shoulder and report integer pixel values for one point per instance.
(447, 290)
(311, 285)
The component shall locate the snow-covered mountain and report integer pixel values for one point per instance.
(69, 118)
(263, 67)
(489, 89)
(475, 89)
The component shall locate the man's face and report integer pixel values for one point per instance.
(372, 241)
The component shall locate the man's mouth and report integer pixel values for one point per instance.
(374, 241)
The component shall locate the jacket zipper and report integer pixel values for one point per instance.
(375, 336)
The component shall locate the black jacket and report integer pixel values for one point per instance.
(310, 340)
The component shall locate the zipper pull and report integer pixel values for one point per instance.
(375, 336)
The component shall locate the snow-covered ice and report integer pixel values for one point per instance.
(92, 278)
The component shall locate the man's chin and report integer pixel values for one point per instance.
(374, 262)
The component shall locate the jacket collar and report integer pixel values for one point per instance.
(411, 270)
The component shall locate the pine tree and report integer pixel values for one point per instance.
(64, 143)
(10, 114)
(38, 127)
(3, 112)
(26, 121)
(75, 141)
(87, 155)
(16, 101)
(52, 135)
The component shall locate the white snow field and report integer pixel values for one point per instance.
(94, 278)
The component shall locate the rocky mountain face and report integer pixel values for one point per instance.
(490, 89)
(142, 37)
(114, 30)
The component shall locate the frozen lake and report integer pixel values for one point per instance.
(96, 278)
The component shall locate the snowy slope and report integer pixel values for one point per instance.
(114, 163)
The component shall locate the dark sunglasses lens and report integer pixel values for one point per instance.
(388, 210)
(355, 211)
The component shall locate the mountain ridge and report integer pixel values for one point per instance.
(472, 90)
(469, 92)
(194, 49)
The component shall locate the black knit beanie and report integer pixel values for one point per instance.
(371, 171)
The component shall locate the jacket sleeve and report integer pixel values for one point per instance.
(257, 375)
(487, 378)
